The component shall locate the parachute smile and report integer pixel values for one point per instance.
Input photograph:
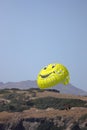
(45, 76)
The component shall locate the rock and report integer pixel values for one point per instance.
(2, 126)
(75, 127)
(14, 125)
(30, 125)
(42, 123)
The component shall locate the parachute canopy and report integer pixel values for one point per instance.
(52, 75)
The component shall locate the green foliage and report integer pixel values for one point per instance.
(17, 102)
(53, 90)
(11, 96)
(4, 91)
(41, 90)
(16, 106)
(4, 107)
(57, 103)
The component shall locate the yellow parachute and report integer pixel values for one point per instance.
(51, 75)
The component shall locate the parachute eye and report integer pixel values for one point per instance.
(53, 66)
(45, 68)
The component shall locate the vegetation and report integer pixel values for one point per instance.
(57, 103)
(19, 100)
(3, 91)
(53, 90)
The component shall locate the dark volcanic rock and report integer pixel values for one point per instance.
(56, 123)
(19, 126)
(75, 127)
(14, 125)
(2, 126)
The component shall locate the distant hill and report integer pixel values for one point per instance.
(68, 89)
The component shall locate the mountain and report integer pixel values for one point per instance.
(68, 89)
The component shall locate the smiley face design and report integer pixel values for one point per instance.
(51, 75)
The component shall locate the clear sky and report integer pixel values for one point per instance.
(34, 33)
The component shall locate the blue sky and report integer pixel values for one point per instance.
(34, 33)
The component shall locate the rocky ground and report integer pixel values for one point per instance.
(33, 119)
(74, 118)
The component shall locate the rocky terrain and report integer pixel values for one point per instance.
(35, 109)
